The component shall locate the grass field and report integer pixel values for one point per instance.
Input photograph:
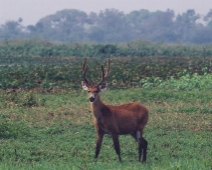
(41, 130)
(46, 122)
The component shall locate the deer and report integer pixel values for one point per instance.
(129, 118)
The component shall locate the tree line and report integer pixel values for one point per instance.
(114, 26)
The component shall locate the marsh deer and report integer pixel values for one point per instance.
(129, 118)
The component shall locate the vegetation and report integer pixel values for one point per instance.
(11, 49)
(46, 122)
(44, 65)
(112, 26)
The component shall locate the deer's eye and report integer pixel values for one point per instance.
(88, 91)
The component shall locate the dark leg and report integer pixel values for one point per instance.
(98, 143)
(144, 143)
(140, 147)
(137, 136)
(116, 146)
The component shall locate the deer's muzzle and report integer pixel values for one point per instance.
(91, 99)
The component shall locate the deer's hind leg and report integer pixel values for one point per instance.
(142, 146)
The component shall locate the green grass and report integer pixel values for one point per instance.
(56, 131)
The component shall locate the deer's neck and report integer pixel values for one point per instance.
(98, 108)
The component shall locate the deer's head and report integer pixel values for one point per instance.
(93, 90)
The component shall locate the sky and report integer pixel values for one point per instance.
(31, 11)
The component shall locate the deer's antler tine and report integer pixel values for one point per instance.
(103, 75)
(84, 69)
(108, 68)
(84, 65)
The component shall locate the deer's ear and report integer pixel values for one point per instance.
(103, 86)
(84, 86)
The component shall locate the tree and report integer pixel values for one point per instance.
(110, 26)
(208, 18)
(156, 26)
(66, 25)
(185, 24)
(11, 29)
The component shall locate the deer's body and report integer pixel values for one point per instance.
(129, 118)
(121, 120)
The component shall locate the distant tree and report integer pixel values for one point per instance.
(203, 34)
(20, 20)
(11, 29)
(185, 24)
(208, 18)
(31, 28)
(109, 26)
(137, 20)
(66, 25)
(112, 25)
(156, 26)
(96, 34)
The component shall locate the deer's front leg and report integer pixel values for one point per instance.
(100, 135)
(116, 145)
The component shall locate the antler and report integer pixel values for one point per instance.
(103, 73)
(84, 69)
(108, 68)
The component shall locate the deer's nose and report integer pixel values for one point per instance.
(91, 99)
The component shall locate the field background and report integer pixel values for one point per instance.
(46, 122)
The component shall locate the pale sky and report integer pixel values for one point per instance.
(31, 11)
